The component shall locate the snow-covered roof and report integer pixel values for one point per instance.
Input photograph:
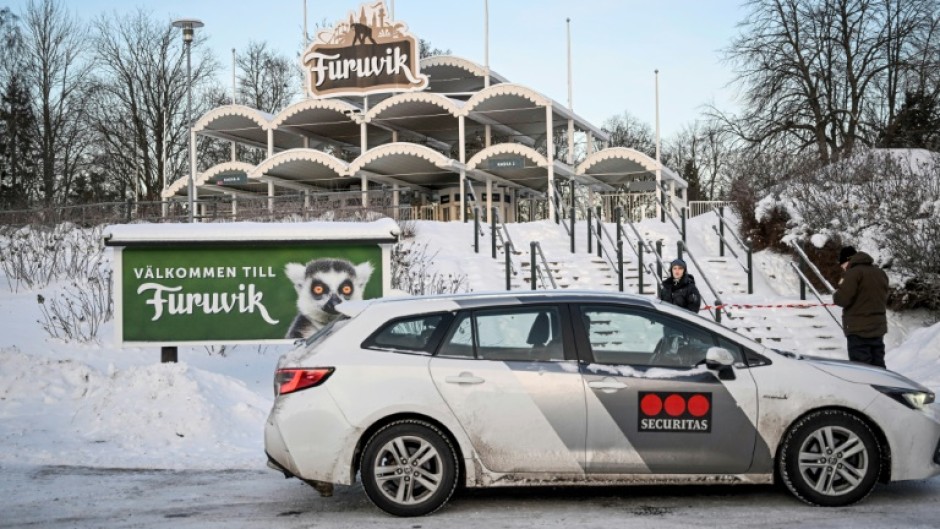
(129, 234)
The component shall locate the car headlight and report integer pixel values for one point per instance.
(912, 398)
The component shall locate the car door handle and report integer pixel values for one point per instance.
(464, 378)
(607, 384)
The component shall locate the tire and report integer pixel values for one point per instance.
(403, 486)
(830, 458)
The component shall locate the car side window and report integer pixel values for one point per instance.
(459, 343)
(516, 334)
(640, 338)
(737, 350)
(409, 334)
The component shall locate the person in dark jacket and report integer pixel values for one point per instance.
(863, 296)
(679, 288)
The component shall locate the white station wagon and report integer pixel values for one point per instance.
(418, 395)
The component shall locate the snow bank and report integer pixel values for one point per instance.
(156, 416)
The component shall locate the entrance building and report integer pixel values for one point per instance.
(466, 139)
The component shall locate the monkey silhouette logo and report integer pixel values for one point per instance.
(363, 32)
(321, 285)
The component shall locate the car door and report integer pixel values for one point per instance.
(510, 377)
(652, 404)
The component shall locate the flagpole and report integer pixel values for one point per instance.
(486, 42)
(570, 158)
(659, 165)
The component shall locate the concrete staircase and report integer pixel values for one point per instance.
(791, 326)
(773, 315)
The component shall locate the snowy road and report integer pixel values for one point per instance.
(75, 497)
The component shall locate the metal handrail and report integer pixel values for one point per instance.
(558, 208)
(736, 258)
(503, 231)
(815, 292)
(733, 234)
(610, 260)
(705, 279)
(646, 244)
(479, 215)
(812, 266)
(503, 234)
(473, 194)
(537, 248)
(668, 215)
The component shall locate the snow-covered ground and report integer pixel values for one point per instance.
(100, 406)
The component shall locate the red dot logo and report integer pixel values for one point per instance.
(698, 405)
(675, 405)
(651, 405)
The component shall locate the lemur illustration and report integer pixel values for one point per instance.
(363, 32)
(321, 285)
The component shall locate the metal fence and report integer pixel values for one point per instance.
(324, 206)
(346, 205)
(636, 206)
(700, 207)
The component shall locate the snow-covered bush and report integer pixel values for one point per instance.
(34, 256)
(411, 272)
(884, 201)
(79, 310)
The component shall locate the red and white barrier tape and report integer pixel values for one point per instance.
(777, 306)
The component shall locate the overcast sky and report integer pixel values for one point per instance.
(616, 44)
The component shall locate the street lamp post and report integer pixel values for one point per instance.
(188, 25)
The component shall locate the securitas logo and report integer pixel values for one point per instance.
(675, 412)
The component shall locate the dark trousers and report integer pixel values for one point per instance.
(867, 350)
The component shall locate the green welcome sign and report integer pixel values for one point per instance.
(245, 282)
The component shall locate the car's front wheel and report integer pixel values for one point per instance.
(830, 458)
(409, 468)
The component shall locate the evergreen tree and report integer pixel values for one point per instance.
(690, 173)
(18, 170)
(916, 125)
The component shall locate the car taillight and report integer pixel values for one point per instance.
(291, 380)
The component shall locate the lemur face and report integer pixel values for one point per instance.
(332, 288)
(322, 284)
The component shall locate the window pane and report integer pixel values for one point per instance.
(460, 341)
(520, 334)
(733, 347)
(619, 336)
(412, 334)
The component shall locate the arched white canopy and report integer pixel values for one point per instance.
(244, 125)
(622, 166)
(304, 169)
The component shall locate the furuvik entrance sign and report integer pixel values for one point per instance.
(208, 284)
(366, 53)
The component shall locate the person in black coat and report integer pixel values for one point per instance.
(679, 288)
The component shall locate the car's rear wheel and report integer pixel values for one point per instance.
(830, 458)
(409, 468)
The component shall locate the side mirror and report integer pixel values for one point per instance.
(721, 360)
(718, 357)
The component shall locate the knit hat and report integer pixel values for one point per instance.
(846, 253)
(677, 262)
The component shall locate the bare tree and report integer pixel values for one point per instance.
(823, 76)
(140, 109)
(426, 49)
(57, 71)
(625, 130)
(267, 80)
(701, 152)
